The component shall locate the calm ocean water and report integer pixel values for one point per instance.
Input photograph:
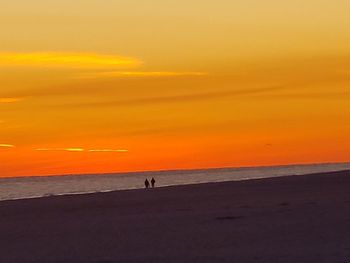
(30, 187)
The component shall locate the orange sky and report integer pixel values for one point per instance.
(136, 85)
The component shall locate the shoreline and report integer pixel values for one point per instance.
(194, 170)
(171, 186)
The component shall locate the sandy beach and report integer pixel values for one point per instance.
(292, 219)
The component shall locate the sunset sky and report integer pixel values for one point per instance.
(91, 86)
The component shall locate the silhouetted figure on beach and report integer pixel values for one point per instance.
(146, 183)
(153, 182)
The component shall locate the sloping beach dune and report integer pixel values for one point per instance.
(292, 219)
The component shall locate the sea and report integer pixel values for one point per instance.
(42, 186)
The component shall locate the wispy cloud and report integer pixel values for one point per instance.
(140, 74)
(324, 95)
(179, 98)
(10, 100)
(74, 60)
(74, 149)
(82, 150)
(62, 149)
(7, 145)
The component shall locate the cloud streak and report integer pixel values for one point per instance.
(10, 100)
(329, 95)
(70, 60)
(82, 150)
(7, 146)
(62, 149)
(178, 98)
(139, 74)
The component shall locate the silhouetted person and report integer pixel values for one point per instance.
(146, 183)
(153, 182)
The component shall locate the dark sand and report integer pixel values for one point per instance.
(291, 219)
